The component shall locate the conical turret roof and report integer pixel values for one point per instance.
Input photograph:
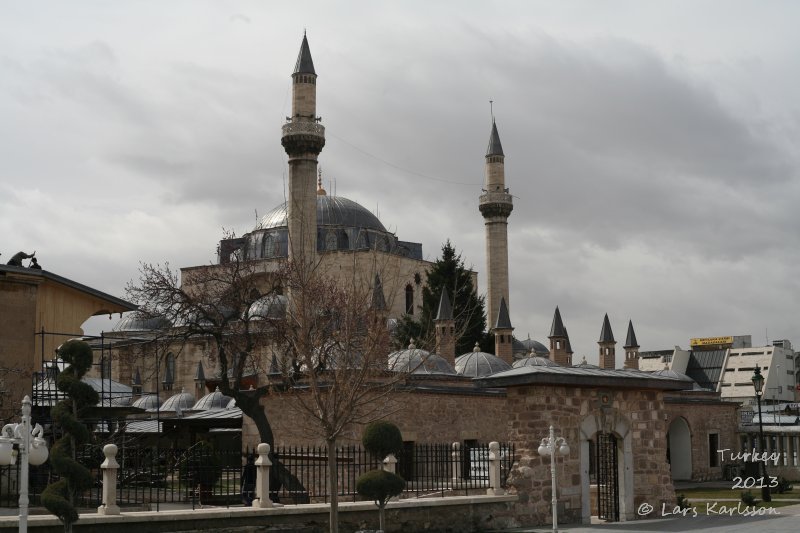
(557, 329)
(304, 65)
(378, 298)
(445, 311)
(606, 335)
(495, 148)
(630, 339)
(503, 321)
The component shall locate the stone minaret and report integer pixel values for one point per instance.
(495, 206)
(631, 348)
(559, 341)
(303, 139)
(445, 330)
(503, 339)
(607, 343)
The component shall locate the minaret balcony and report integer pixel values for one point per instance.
(303, 136)
(493, 204)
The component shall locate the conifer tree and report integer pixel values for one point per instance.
(448, 272)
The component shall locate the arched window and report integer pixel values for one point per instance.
(169, 372)
(331, 242)
(409, 299)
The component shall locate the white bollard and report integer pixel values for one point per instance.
(456, 461)
(109, 467)
(494, 470)
(263, 465)
(390, 463)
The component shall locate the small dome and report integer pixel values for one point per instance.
(419, 361)
(183, 401)
(476, 364)
(134, 322)
(269, 306)
(149, 402)
(534, 361)
(530, 346)
(212, 400)
(585, 364)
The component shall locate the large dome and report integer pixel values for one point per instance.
(331, 211)
(418, 361)
(477, 364)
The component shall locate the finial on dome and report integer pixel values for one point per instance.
(411, 344)
(583, 361)
(666, 366)
(320, 190)
(217, 389)
(476, 348)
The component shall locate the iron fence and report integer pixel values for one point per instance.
(200, 475)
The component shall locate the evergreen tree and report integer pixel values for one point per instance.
(448, 273)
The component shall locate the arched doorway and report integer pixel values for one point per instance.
(607, 461)
(679, 449)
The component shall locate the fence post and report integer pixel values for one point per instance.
(390, 463)
(494, 470)
(456, 461)
(109, 467)
(263, 464)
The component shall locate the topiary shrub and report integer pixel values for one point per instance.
(382, 438)
(748, 498)
(59, 497)
(379, 486)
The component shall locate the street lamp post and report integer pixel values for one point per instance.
(552, 446)
(758, 385)
(33, 451)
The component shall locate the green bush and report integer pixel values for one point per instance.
(783, 485)
(379, 485)
(382, 438)
(681, 501)
(748, 498)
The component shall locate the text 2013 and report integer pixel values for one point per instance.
(754, 482)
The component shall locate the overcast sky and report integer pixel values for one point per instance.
(651, 147)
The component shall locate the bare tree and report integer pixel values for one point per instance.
(336, 343)
(230, 308)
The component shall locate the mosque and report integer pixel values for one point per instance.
(617, 419)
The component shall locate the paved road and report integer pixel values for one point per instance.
(788, 521)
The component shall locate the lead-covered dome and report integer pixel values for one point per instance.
(416, 361)
(212, 400)
(534, 361)
(476, 364)
(179, 402)
(331, 211)
(342, 224)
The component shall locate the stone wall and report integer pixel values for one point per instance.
(705, 414)
(446, 515)
(637, 416)
(422, 416)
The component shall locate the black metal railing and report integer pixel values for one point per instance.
(200, 475)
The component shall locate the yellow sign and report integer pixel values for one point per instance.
(711, 341)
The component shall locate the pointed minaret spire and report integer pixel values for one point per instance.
(607, 343)
(445, 328)
(559, 341)
(304, 65)
(631, 348)
(495, 148)
(503, 338)
(495, 205)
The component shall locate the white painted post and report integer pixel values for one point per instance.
(456, 461)
(494, 470)
(390, 463)
(23, 452)
(263, 465)
(109, 467)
